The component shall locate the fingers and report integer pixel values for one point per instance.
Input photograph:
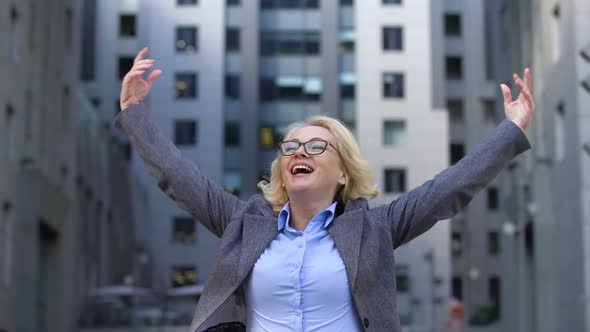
(154, 76)
(142, 66)
(141, 55)
(527, 77)
(132, 74)
(507, 94)
(525, 93)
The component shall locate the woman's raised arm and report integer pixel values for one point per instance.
(177, 176)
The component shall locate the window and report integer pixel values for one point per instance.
(232, 133)
(267, 4)
(494, 290)
(186, 85)
(456, 244)
(489, 111)
(69, 27)
(184, 230)
(14, 32)
(453, 25)
(454, 66)
(127, 26)
(183, 276)
(392, 39)
(267, 138)
(6, 243)
(395, 180)
(232, 182)
(457, 288)
(347, 38)
(290, 43)
(185, 132)
(232, 39)
(493, 243)
(347, 90)
(455, 107)
(402, 278)
(312, 4)
(393, 133)
(392, 2)
(10, 132)
(457, 152)
(232, 86)
(393, 85)
(492, 198)
(186, 39)
(125, 64)
(291, 88)
(232, 3)
(186, 2)
(346, 2)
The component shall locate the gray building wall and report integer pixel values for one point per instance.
(551, 37)
(37, 191)
(476, 88)
(423, 150)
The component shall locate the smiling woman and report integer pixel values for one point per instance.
(309, 254)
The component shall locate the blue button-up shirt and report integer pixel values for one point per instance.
(299, 283)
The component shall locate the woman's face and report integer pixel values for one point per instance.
(326, 168)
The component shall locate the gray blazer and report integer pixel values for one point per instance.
(364, 237)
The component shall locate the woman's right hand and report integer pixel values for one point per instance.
(134, 87)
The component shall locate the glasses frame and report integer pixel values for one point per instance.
(305, 146)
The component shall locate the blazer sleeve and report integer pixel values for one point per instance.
(416, 211)
(177, 176)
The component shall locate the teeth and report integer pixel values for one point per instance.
(296, 167)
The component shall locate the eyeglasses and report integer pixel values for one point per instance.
(312, 147)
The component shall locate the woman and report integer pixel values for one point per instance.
(309, 254)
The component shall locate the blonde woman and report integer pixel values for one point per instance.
(309, 254)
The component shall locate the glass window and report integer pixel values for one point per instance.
(232, 182)
(457, 288)
(290, 42)
(184, 230)
(402, 278)
(395, 180)
(312, 42)
(393, 132)
(232, 3)
(267, 89)
(266, 138)
(127, 26)
(454, 66)
(184, 276)
(185, 132)
(493, 243)
(125, 64)
(186, 2)
(455, 107)
(232, 133)
(186, 85)
(456, 244)
(392, 39)
(267, 4)
(232, 39)
(492, 198)
(346, 2)
(312, 4)
(393, 85)
(347, 38)
(186, 39)
(494, 290)
(69, 27)
(452, 25)
(232, 86)
(392, 2)
(457, 152)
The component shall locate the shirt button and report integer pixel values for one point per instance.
(366, 322)
(296, 265)
(300, 245)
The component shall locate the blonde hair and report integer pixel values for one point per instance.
(358, 173)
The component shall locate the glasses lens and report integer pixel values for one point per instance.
(288, 148)
(315, 147)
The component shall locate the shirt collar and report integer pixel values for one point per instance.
(327, 215)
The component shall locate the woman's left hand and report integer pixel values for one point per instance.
(521, 110)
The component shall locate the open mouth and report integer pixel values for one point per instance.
(301, 169)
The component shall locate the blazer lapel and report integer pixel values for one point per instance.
(346, 231)
(257, 233)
